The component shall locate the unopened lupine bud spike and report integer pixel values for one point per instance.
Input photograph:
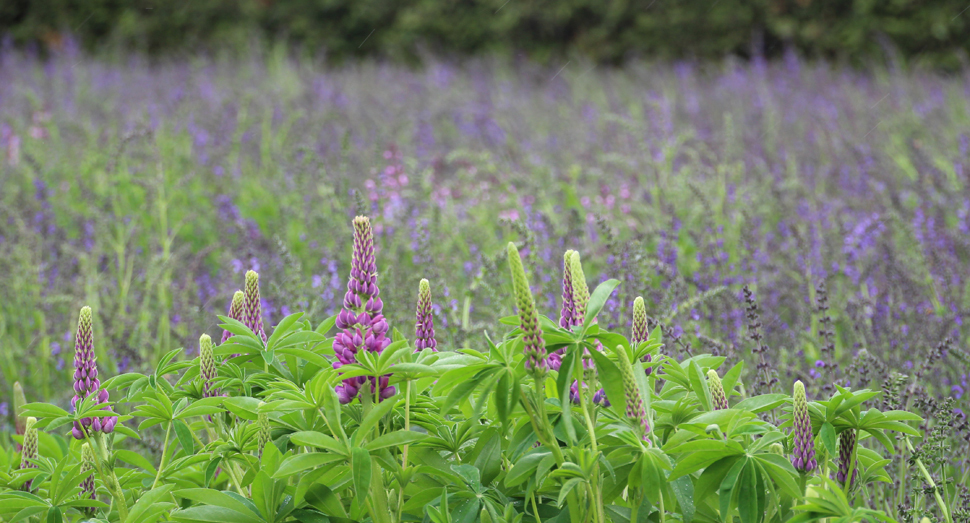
(803, 448)
(847, 443)
(641, 329)
(424, 325)
(580, 289)
(87, 484)
(207, 367)
(567, 314)
(719, 399)
(535, 349)
(265, 431)
(30, 450)
(237, 311)
(254, 308)
(19, 400)
(634, 401)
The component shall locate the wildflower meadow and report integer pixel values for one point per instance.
(266, 289)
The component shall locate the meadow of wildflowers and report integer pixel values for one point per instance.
(807, 220)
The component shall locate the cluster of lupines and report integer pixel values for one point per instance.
(803, 447)
(535, 347)
(86, 380)
(424, 324)
(641, 329)
(847, 442)
(718, 397)
(237, 310)
(361, 319)
(30, 450)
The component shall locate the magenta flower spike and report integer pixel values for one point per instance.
(237, 311)
(803, 451)
(86, 380)
(362, 321)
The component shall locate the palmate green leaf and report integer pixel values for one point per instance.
(395, 439)
(361, 467)
(43, 410)
(683, 490)
(243, 406)
(285, 327)
(221, 500)
(184, 435)
(524, 468)
(212, 514)
(320, 441)
(201, 407)
(699, 385)
(762, 403)
(300, 462)
(828, 436)
(139, 511)
(781, 471)
(308, 355)
(597, 300)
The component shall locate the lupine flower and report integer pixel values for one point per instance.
(364, 327)
(847, 442)
(424, 325)
(803, 452)
(717, 390)
(19, 420)
(599, 397)
(580, 302)
(253, 307)
(641, 329)
(634, 402)
(237, 311)
(87, 484)
(535, 348)
(207, 367)
(30, 450)
(86, 380)
(265, 431)
(567, 314)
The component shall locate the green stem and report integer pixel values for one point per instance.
(109, 478)
(161, 464)
(929, 479)
(535, 509)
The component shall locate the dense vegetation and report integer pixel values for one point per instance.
(557, 421)
(804, 221)
(926, 31)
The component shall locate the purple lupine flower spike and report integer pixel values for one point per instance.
(567, 313)
(361, 319)
(535, 347)
(30, 450)
(641, 329)
(803, 451)
(253, 307)
(86, 380)
(847, 443)
(237, 311)
(424, 325)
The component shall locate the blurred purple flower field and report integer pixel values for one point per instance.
(147, 190)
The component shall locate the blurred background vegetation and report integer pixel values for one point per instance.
(931, 32)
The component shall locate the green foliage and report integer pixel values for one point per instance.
(473, 436)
